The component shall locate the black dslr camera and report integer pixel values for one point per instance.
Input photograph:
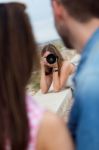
(51, 58)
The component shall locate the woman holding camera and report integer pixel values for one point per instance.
(54, 69)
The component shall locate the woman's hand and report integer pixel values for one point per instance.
(42, 62)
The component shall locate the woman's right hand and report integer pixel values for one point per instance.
(42, 62)
(43, 65)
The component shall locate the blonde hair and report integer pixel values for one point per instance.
(52, 48)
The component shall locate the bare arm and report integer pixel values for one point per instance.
(45, 81)
(53, 134)
(60, 81)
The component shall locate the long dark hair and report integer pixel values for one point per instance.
(53, 49)
(17, 58)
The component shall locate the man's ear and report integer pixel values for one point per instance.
(59, 11)
(57, 8)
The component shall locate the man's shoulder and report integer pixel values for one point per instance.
(93, 58)
(87, 92)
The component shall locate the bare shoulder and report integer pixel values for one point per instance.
(66, 63)
(53, 133)
(68, 66)
(50, 120)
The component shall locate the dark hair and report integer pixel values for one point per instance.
(82, 10)
(52, 48)
(17, 59)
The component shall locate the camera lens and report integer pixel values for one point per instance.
(51, 58)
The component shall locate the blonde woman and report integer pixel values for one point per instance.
(54, 74)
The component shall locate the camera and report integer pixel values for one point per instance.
(51, 58)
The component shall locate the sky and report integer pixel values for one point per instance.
(41, 18)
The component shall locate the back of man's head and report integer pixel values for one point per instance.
(82, 10)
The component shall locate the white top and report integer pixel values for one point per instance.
(69, 82)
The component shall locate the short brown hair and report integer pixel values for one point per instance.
(82, 10)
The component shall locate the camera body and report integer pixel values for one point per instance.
(51, 58)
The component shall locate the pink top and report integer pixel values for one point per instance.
(35, 114)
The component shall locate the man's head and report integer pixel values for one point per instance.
(68, 12)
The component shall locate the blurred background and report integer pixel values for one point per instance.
(41, 17)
